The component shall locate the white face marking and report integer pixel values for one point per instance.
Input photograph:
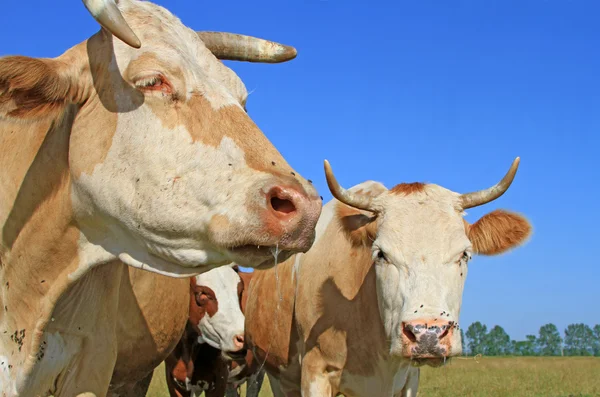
(422, 239)
(220, 330)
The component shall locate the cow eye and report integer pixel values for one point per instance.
(465, 256)
(154, 83)
(381, 255)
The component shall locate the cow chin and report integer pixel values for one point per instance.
(258, 257)
(431, 362)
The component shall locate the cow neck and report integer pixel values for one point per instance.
(40, 239)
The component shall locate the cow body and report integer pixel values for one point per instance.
(378, 294)
(115, 156)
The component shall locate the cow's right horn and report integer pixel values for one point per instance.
(474, 199)
(110, 18)
(352, 199)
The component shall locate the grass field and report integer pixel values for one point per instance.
(490, 377)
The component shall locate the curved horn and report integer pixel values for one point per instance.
(238, 47)
(470, 200)
(349, 198)
(110, 18)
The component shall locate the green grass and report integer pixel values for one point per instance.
(488, 377)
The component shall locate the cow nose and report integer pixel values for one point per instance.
(238, 342)
(427, 338)
(291, 216)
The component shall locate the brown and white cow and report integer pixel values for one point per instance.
(211, 355)
(145, 156)
(381, 289)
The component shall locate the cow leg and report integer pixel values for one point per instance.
(133, 389)
(277, 389)
(411, 385)
(315, 381)
(232, 391)
(174, 389)
(254, 384)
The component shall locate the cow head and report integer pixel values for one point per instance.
(421, 247)
(215, 312)
(167, 171)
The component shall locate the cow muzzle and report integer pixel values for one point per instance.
(288, 217)
(427, 341)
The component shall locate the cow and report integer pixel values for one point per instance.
(379, 293)
(124, 160)
(211, 356)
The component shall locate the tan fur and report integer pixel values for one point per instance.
(360, 226)
(497, 232)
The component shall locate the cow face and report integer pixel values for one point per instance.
(215, 312)
(421, 248)
(167, 170)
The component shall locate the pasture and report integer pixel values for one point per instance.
(489, 377)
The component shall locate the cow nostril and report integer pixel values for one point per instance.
(281, 205)
(408, 333)
(239, 340)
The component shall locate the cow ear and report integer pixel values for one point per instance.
(498, 232)
(35, 87)
(359, 226)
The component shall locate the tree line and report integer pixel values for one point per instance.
(579, 340)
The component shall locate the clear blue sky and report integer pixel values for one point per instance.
(424, 91)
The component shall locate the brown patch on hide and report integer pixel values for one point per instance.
(405, 189)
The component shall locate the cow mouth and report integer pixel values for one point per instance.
(239, 355)
(431, 362)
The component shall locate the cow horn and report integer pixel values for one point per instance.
(352, 199)
(238, 47)
(470, 200)
(110, 18)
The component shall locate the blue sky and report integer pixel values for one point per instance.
(424, 91)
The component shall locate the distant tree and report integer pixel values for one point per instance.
(496, 342)
(476, 337)
(597, 340)
(549, 342)
(462, 341)
(579, 340)
(525, 347)
(530, 345)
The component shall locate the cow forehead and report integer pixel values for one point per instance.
(423, 225)
(222, 280)
(168, 43)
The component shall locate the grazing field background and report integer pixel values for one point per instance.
(487, 377)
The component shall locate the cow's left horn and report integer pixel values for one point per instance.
(470, 200)
(352, 199)
(239, 47)
(110, 18)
